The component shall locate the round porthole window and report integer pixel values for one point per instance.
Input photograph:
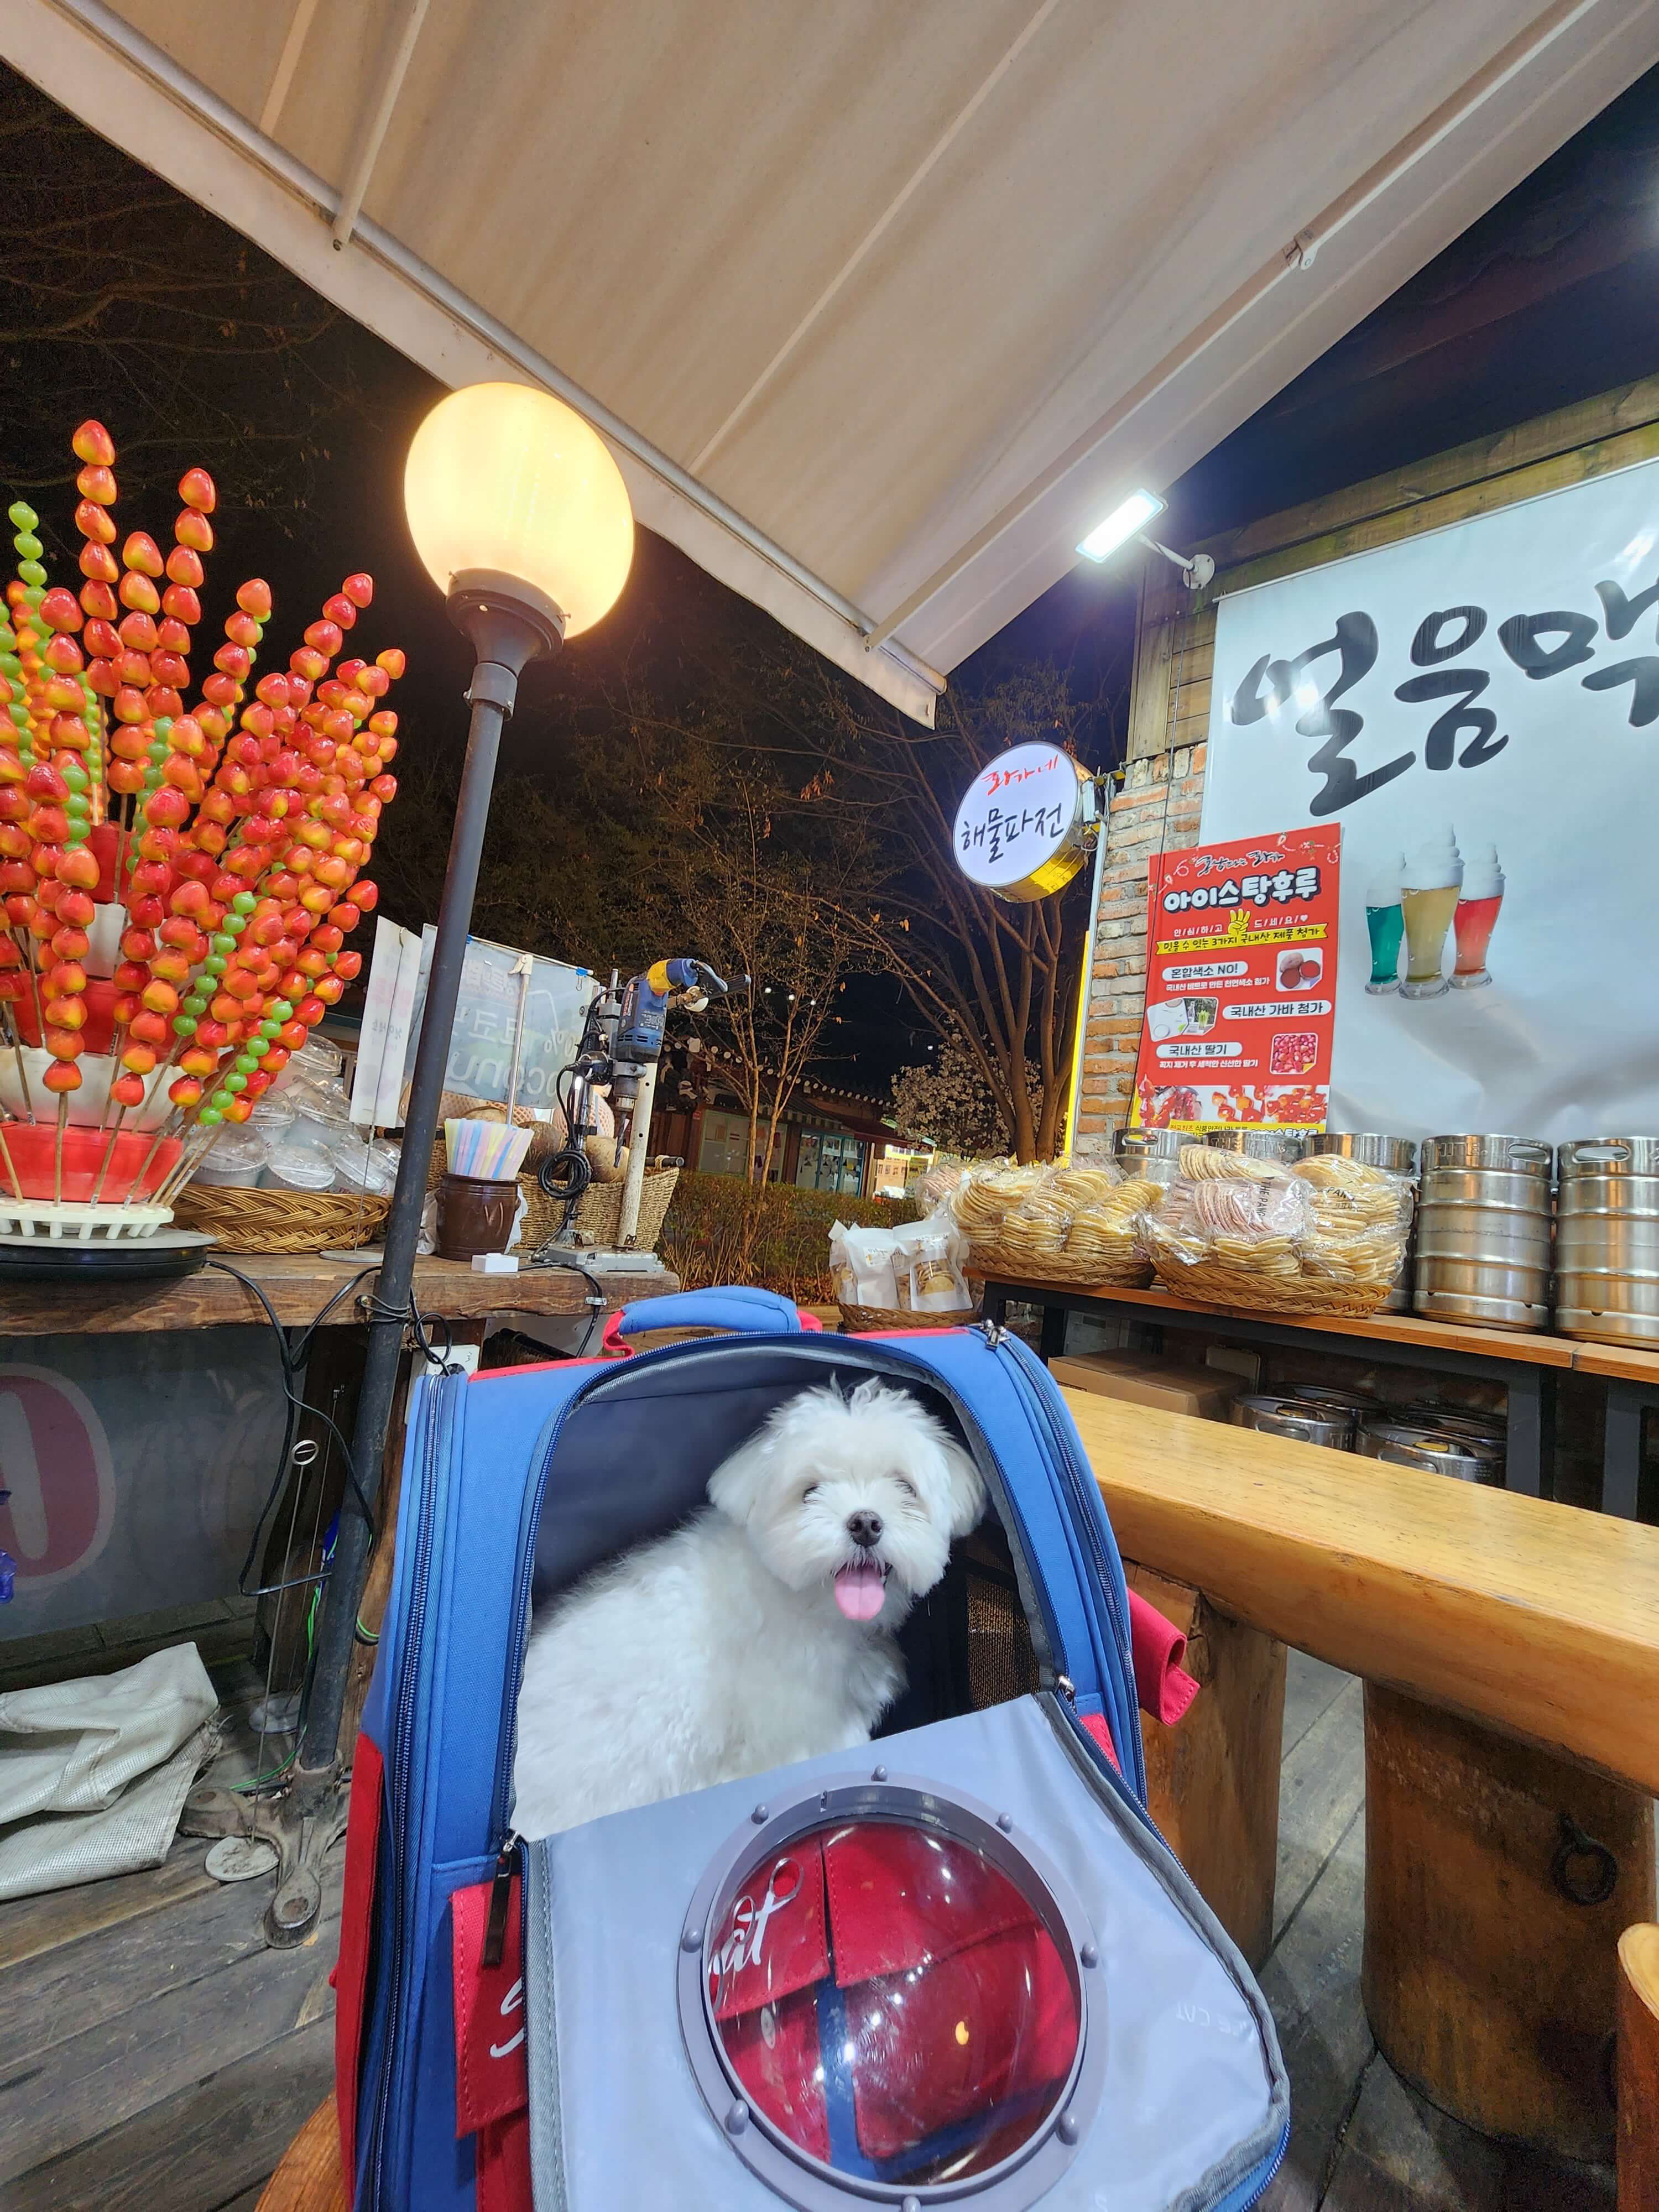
(884, 1992)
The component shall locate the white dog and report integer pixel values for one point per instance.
(760, 1632)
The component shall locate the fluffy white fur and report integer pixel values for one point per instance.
(720, 1649)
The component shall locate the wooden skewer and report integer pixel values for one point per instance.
(16, 1044)
(180, 1175)
(58, 1148)
(109, 1154)
(164, 1130)
(5, 1154)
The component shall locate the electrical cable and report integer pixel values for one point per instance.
(292, 1359)
(599, 1301)
(291, 1362)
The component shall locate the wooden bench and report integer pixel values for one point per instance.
(1511, 1647)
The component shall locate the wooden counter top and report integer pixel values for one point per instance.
(1535, 1618)
(1616, 1363)
(1525, 1346)
(299, 1289)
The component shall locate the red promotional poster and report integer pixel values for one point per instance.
(1241, 983)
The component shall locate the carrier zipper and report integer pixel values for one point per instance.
(1081, 1484)
(408, 1686)
(500, 1891)
(1255, 2186)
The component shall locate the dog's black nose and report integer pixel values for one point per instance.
(864, 1528)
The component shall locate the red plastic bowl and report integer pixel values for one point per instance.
(99, 997)
(32, 1147)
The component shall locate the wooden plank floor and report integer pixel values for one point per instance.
(156, 2057)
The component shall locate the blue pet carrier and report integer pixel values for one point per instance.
(958, 1966)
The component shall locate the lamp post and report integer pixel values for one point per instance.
(522, 519)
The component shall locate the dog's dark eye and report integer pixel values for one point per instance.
(811, 1490)
(909, 1488)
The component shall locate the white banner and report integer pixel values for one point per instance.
(1478, 709)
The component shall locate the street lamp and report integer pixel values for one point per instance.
(522, 519)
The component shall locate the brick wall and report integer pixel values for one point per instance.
(1156, 811)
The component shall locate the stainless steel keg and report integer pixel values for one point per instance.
(1360, 1405)
(1483, 1428)
(1484, 1230)
(1405, 1445)
(1152, 1154)
(1287, 1145)
(1369, 1148)
(1607, 1240)
(1399, 1156)
(1295, 1417)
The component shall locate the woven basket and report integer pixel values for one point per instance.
(1213, 1283)
(1132, 1273)
(599, 1215)
(866, 1320)
(291, 1221)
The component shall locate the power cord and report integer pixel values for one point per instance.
(599, 1301)
(292, 1361)
(293, 1358)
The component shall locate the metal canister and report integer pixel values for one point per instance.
(1607, 1240)
(1152, 1154)
(1296, 1417)
(1285, 1145)
(1398, 1156)
(1485, 1428)
(1369, 1147)
(1484, 1232)
(1359, 1405)
(1405, 1445)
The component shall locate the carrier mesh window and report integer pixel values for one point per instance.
(1001, 1663)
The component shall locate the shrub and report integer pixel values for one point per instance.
(722, 1230)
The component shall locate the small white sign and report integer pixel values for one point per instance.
(1023, 822)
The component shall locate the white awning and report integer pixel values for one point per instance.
(882, 303)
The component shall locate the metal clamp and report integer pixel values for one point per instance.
(1603, 1869)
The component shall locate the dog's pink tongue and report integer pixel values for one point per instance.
(859, 1591)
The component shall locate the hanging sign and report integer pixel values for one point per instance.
(1241, 978)
(1478, 707)
(1027, 823)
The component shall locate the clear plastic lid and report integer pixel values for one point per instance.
(299, 1167)
(891, 2001)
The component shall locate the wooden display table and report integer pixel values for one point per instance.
(1536, 1626)
(1527, 1365)
(299, 1289)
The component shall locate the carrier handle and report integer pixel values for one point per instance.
(743, 1312)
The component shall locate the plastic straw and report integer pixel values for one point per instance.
(488, 1150)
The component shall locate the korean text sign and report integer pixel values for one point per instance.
(1241, 966)
(1477, 707)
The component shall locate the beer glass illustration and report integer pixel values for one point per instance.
(1385, 924)
(1477, 912)
(1433, 879)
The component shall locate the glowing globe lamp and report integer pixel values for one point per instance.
(508, 480)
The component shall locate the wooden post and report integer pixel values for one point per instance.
(1212, 1779)
(309, 2178)
(1638, 2069)
(1497, 1879)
